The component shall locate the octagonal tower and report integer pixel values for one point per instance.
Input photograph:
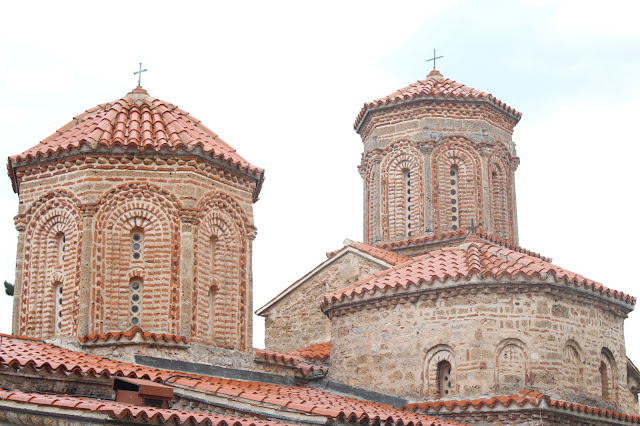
(135, 218)
(438, 156)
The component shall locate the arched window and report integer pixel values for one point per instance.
(406, 179)
(444, 378)
(57, 310)
(455, 213)
(607, 375)
(60, 248)
(137, 243)
(213, 293)
(135, 300)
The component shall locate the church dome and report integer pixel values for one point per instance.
(137, 122)
(434, 87)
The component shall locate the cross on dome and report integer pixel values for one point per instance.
(140, 71)
(431, 59)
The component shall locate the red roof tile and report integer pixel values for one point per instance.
(377, 252)
(139, 122)
(134, 333)
(434, 87)
(303, 367)
(315, 353)
(19, 353)
(125, 411)
(522, 399)
(469, 260)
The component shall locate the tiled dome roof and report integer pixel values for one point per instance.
(137, 121)
(468, 261)
(434, 87)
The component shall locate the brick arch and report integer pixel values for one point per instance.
(573, 365)
(609, 391)
(157, 212)
(511, 364)
(223, 266)
(54, 213)
(400, 157)
(500, 196)
(460, 152)
(432, 359)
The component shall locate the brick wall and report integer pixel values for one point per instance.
(178, 204)
(498, 338)
(296, 321)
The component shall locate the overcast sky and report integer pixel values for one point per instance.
(282, 82)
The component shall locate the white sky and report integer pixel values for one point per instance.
(282, 82)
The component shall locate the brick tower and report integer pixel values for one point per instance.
(135, 218)
(438, 156)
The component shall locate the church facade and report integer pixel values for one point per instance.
(134, 283)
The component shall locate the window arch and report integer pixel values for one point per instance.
(135, 301)
(57, 310)
(574, 370)
(607, 375)
(439, 373)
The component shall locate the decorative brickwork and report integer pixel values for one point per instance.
(155, 212)
(456, 153)
(51, 258)
(402, 193)
(220, 267)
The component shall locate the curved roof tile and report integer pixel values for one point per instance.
(467, 261)
(141, 122)
(434, 87)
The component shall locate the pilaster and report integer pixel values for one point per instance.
(86, 270)
(426, 148)
(21, 226)
(187, 219)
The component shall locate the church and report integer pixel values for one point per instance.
(133, 295)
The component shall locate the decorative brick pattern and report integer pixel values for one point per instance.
(220, 266)
(456, 152)
(402, 199)
(52, 217)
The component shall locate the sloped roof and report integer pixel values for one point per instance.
(136, 122)
(380, 255)
(523, 399)
(302, 366)
(19, 352)
(433, 87)
(319, 352)
(128, 412)
(475, 259)
(135, 333)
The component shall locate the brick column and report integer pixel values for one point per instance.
(426, 148)
(187, 257)
(485, 151)
(84, 326)
(21, 226)
(251, 235)
(513, 163)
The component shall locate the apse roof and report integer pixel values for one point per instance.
(433, 87)
(141, 123)
(477, 259)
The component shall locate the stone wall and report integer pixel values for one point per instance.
(296, 321)
(497, 339)
(196, 223)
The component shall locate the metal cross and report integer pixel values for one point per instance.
(139, 72)
(472, 229)
(434, 59)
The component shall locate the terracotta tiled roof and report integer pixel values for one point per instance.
(135, 333)
(19, 353)
(139, 122)
(310, 400)
(457, 235)
(128, 412)
(315, 353)
(434, 87)
(377, 252)
(302, 366)
(523, 399)
(464, 262)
